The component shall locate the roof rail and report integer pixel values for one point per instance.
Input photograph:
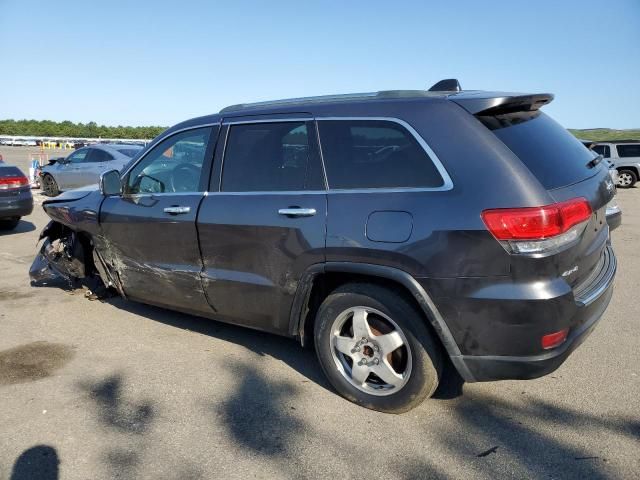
(447, 85)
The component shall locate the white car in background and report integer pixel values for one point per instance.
(18, 142)
(84, 166)
(625, 157)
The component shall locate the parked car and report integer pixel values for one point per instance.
(19, 142)
(625, 156)
(15, 196)
(362, 226)
(84, 166)
(613, 212)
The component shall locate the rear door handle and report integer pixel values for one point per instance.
(297, 212)
(176, 210)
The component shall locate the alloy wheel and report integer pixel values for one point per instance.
(624, 179)
(370, 351)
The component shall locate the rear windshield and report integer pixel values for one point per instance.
(129, 152)
(552, 154)
(10, 171)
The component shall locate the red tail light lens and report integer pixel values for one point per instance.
(9, 183)
(536, 223)
(554, 339)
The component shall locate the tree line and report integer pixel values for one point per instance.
(49, 128)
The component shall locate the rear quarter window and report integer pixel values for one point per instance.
(626, 151)
(360, 154)
(548, 150)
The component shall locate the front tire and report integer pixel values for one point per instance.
(627, 178)
(50, 186)
(375, 348)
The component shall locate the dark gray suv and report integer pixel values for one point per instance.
(395, 231)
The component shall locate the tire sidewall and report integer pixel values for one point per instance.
(632, 174)
(426, 362)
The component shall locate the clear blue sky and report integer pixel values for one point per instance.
(159, 62)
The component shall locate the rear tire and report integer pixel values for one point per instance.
(10, 223)
(627, 178)
(50, 186)
(375, 348)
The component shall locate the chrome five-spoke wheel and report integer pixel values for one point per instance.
(370, 351)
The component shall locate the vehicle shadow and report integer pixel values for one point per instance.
(303, 360)
(39, 462)
(24, 226)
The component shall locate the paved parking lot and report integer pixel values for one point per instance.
(119, 389)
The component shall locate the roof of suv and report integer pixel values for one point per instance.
(473, 100)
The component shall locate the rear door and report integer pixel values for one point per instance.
(150, 232)
(263, 223)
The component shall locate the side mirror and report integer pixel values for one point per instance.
(110, 183)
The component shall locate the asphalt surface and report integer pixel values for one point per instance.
(122, 390)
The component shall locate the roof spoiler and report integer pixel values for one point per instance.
(447, 85)
(485, 103)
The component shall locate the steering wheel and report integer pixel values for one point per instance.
(185, 178)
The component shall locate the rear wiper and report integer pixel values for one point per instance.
(595, 161)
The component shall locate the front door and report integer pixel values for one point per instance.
(263, 223)
(68, 171)
(150, 230)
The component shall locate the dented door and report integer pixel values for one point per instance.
(150, 232)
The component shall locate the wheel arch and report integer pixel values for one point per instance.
(633, 168)
(320, 279)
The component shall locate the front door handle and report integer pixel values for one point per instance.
(297, 212)
(176, 210)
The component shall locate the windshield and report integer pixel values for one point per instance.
(552, 154)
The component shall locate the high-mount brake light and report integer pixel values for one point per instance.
(10, 183)
(538, 229)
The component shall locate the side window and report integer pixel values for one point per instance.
(174, 165)
(603, 150)
(96, 155)
(374, 154)
(267, 157)
(626, 151)
(79, 156)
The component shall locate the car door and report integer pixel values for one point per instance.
(67, 172)
(263, 223)
(96, 163)
(150, 232)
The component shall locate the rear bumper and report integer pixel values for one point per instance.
(614, 216)
(499, 337)
(16, 206)
(489, 368)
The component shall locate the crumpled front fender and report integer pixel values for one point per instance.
(61, 255)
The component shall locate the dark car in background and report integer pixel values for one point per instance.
(15, 196)
(395, 231)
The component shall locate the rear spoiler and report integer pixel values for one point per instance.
(495, 103)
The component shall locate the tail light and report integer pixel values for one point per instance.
(10, 183)
(538, 229)
(554, 339)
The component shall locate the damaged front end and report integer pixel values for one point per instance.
(61, 256)
(66, 257)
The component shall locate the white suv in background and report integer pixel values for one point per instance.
(625, 156)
